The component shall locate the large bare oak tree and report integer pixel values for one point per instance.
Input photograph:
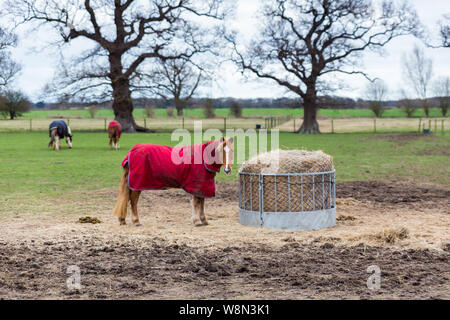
(126, 34)
(301, 41)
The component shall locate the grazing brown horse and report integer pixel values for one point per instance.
(154, 167)
(114, 133)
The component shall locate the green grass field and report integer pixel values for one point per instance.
(246, 112)
(29, 168)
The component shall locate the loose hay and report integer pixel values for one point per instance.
(343, 217)
(287, 193)
(392, 235)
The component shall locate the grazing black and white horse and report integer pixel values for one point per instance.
(59, 130)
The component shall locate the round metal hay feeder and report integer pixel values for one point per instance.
(288, 201)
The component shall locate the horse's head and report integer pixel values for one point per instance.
(226, 149)
(69, 138)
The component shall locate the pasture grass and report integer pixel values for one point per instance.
(29, 169)
(225, 112)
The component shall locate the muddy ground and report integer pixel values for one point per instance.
(168, 258)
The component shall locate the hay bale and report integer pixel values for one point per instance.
(289, 161)
(287, 194)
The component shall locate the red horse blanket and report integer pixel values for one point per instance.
(155, 167)
(116, 124)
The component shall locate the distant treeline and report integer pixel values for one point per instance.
(325, 102)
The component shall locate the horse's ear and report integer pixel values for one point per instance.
(222, 139)
(231, 140)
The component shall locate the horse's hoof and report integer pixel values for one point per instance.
(198, 223)
(205, 223)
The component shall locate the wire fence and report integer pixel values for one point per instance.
(283, 123)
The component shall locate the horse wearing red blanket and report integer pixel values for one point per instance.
(192, 168)
(114, 133)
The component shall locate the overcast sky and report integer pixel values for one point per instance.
(38, 67)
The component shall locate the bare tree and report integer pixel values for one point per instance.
(441, 88)
(417, 71)
(126, 34)
(14, 104)
(8, 67)
(406, 103)
(304, 40)
(208, 109)
(375, 93)
(7, 39)
(442, 38)
(235, 109)
(444, 33)
(175, 80)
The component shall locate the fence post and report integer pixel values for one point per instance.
(105, 124)
(31, 125)
(429, 124)
(294, 124)
(224, 124)
(332, 125)
(182, 123)
(420, 123)
(375, 125)
(68, 122)
(435, 125)
(442, 126)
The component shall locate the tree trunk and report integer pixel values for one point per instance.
(122, 102)
(426, 109)
(179, 107)
(123, 105)
(310, 124)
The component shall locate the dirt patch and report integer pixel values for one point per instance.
(393, 193)
(404, 138)
(435, 151)
(168, 257)
(157, 269)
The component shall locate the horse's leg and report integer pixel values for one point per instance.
(120, 210)
(117, 144)
(56, 145)
(134, 198)
(202, 212)
(110, 142)
(196, 205)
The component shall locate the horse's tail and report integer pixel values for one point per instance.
(120, 210)
(52, 137)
